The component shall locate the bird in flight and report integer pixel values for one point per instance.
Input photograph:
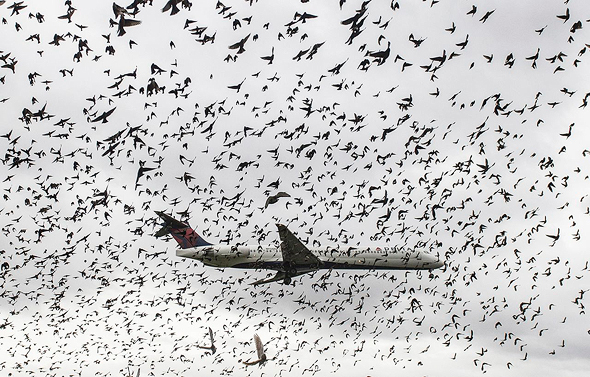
(259, 351)
(125, 22)
(275, 198)
(240, 45)
(104, 116)
(212, 346)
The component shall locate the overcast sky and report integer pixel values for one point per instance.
(455, 127)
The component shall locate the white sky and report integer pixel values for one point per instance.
(509, 296)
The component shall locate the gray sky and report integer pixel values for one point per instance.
(449, 146)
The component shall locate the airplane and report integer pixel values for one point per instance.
(292, 258)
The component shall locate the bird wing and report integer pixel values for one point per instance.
(108, 113)
(104, 116)
(211, 335)
(294, 251)
(131, 22)
(119, 10)
(240, 44)
(168, 5)
(269, 201)
(259, 346)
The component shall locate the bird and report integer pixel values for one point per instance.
(171, 5)
(270, 58)
(565, 17)
(486, 16)
(240, 45)
(464, 43)
(141, 171)
(104, 116)
(17, 7)
(68, 15)
(212, 346)
(125, 22)
(259, 352)
(569, 132)
(119, 10)
(237, 87)
(555, 237)
(452, 28)
(275, 198)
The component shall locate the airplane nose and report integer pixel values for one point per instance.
(437, 264)
(434, 262)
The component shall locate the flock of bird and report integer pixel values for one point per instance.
(457, 128)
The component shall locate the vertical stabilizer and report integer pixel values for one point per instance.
(180, 231)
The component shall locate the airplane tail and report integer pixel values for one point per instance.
(180, 231)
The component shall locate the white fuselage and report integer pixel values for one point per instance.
(270, 257)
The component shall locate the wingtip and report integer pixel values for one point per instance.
(258, 282)
(161, 214)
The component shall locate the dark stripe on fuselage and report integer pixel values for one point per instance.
(278, 266)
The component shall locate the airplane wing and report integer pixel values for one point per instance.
(297, 259)
(295, 253)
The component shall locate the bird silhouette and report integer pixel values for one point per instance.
(212, 346)
(141, 171)
(259, 351)
(240, 45)
(275, 198)
(104, 116)
(125, 22)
